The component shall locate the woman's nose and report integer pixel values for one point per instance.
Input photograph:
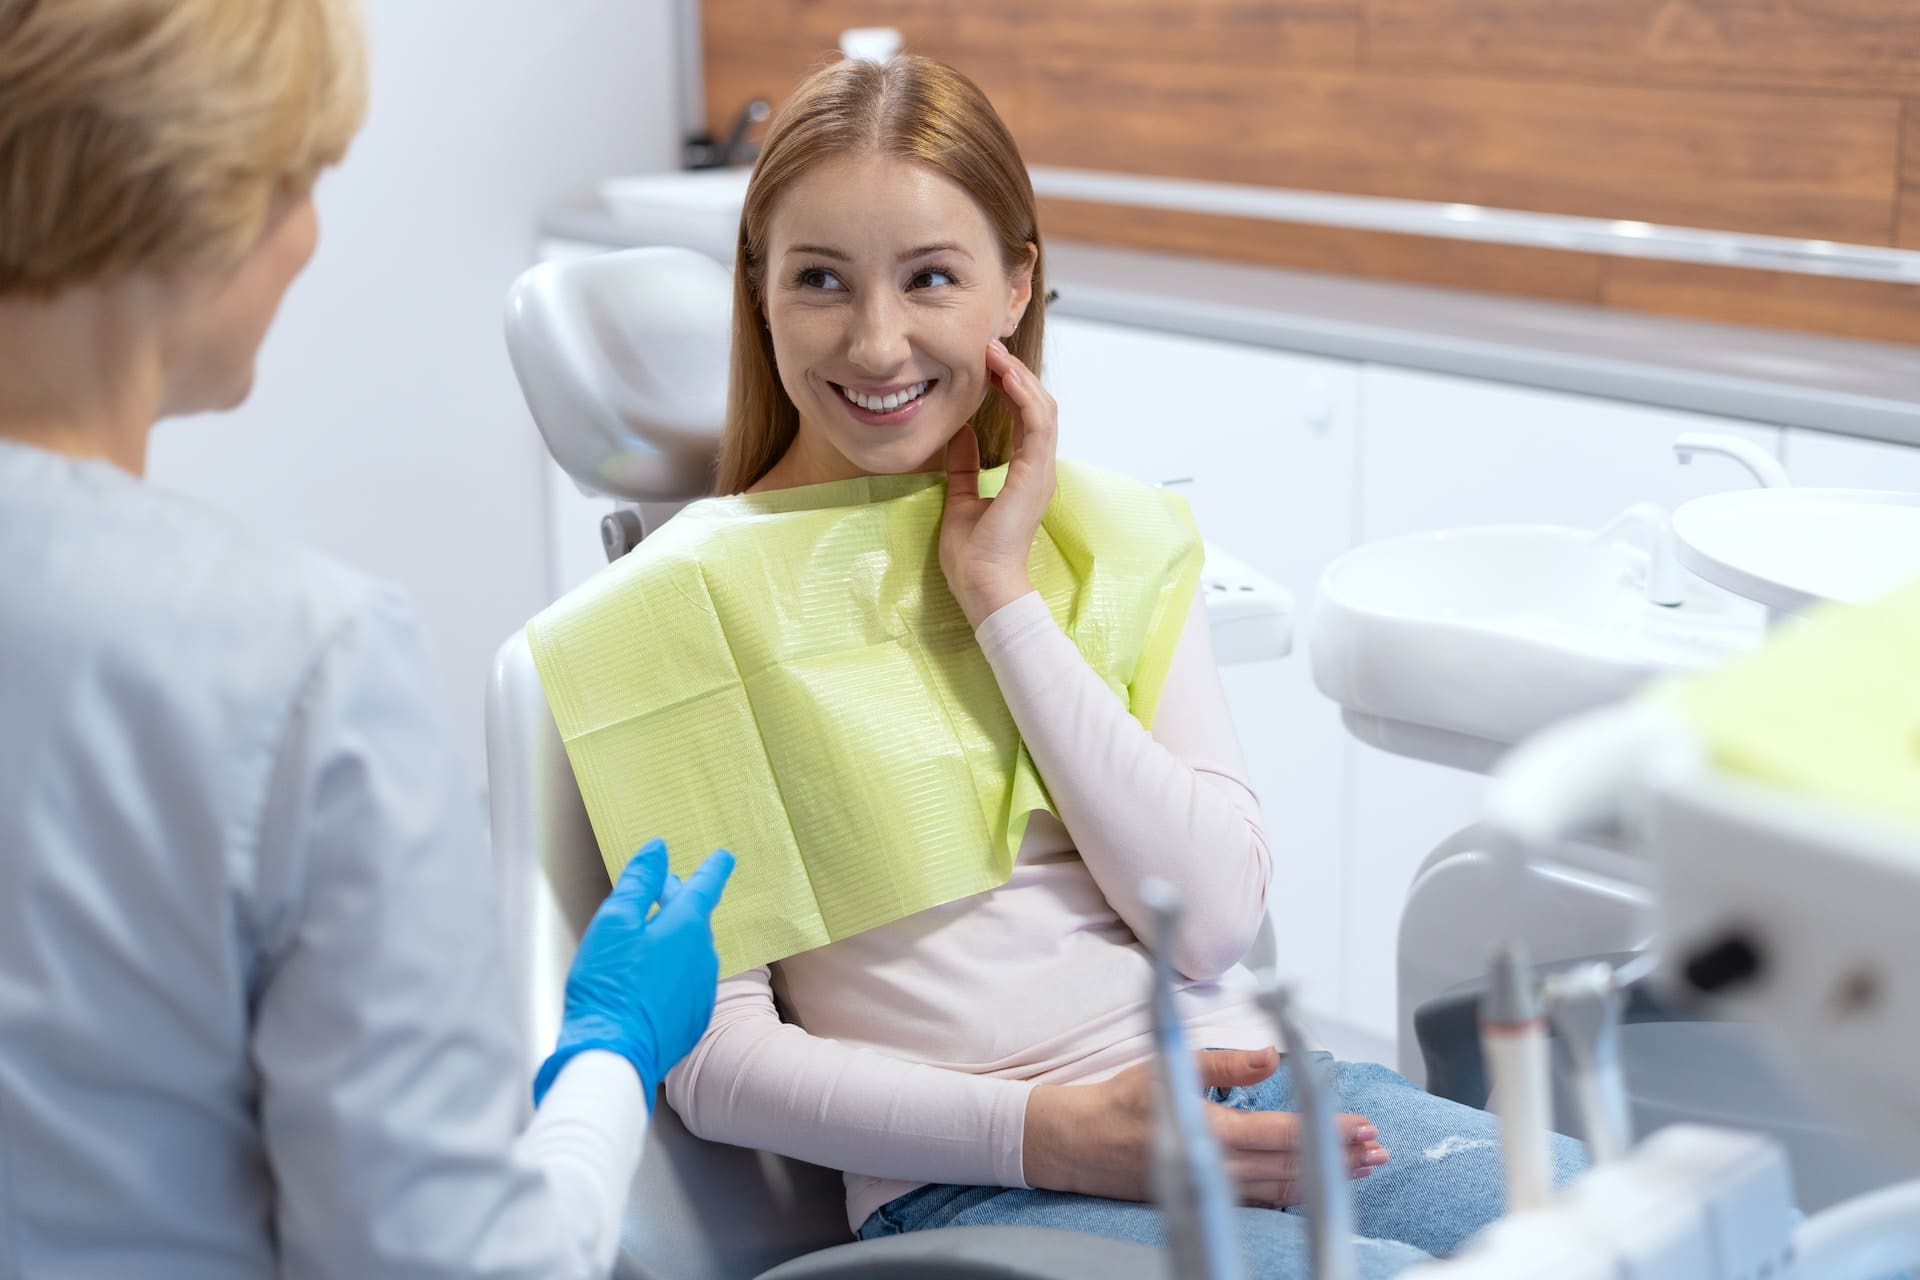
(879, 343)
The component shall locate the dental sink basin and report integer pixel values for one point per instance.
(1452, 646)
(1793, 548)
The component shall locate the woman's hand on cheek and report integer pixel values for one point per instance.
(984, 542)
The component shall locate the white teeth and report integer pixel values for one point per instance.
(887, 403)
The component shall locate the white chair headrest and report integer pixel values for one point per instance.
(622, 358)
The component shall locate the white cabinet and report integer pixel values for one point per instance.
(1265, 443)
(1439, 452)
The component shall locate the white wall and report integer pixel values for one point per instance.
(386, 427)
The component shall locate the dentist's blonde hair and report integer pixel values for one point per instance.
(911, 108)
(159, 136)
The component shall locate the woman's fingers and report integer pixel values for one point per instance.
(1035, 413)
(1249, 1168)
(1247, 1134)
(963, 464)
(1030, 478)
(1235, 1068)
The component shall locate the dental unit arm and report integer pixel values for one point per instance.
(1777, 908)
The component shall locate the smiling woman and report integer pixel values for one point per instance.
(888, 237)
(940, 988)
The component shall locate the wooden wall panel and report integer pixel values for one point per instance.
(1847, 45)
(995, 43)
(1658, 155)
(1781, 117)
(1676, 156)
(1907, 215)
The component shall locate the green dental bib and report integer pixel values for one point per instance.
(787, 675)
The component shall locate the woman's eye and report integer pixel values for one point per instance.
(930, 278)
(819, 278)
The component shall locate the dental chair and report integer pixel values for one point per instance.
(623, 362)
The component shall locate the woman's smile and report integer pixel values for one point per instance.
(885, 407)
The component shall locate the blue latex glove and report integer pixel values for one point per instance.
(643, 988)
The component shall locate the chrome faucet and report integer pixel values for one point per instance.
(1766, 470)
(701, 151)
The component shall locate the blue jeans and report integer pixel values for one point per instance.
(1443, 1183)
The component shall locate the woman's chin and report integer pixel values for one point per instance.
(905, 458)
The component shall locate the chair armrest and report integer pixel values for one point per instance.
(982, 1253)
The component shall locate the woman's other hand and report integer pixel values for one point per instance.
(984, 542)
(1095, 1139)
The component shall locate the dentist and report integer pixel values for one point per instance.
(254, 1009)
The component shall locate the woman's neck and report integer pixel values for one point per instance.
(81, 374)
(799, 466)
(808, 460)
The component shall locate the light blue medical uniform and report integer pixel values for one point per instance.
(255, 1014)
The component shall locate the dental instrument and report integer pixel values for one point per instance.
(1188, 1175)
(1513, 1038)
(1329, 1206)
(1585, 1004)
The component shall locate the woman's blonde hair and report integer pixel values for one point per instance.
(155, 136)
(912, 108)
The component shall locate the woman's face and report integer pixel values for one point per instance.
(884, 284)
(219, 328)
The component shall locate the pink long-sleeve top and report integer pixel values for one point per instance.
(905, 1055)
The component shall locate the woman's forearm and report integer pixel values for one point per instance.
(1173, 803)
(756, 1081)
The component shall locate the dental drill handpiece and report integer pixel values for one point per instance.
(1585, 1005)
(1329, 1198)
(1513, 1043)
(1189, 1177)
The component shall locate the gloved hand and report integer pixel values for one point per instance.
(643, 988)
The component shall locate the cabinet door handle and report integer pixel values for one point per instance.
(1320, 407)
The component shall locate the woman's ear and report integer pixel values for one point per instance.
(1021, 281)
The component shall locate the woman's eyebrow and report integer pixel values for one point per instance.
(926, 250)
